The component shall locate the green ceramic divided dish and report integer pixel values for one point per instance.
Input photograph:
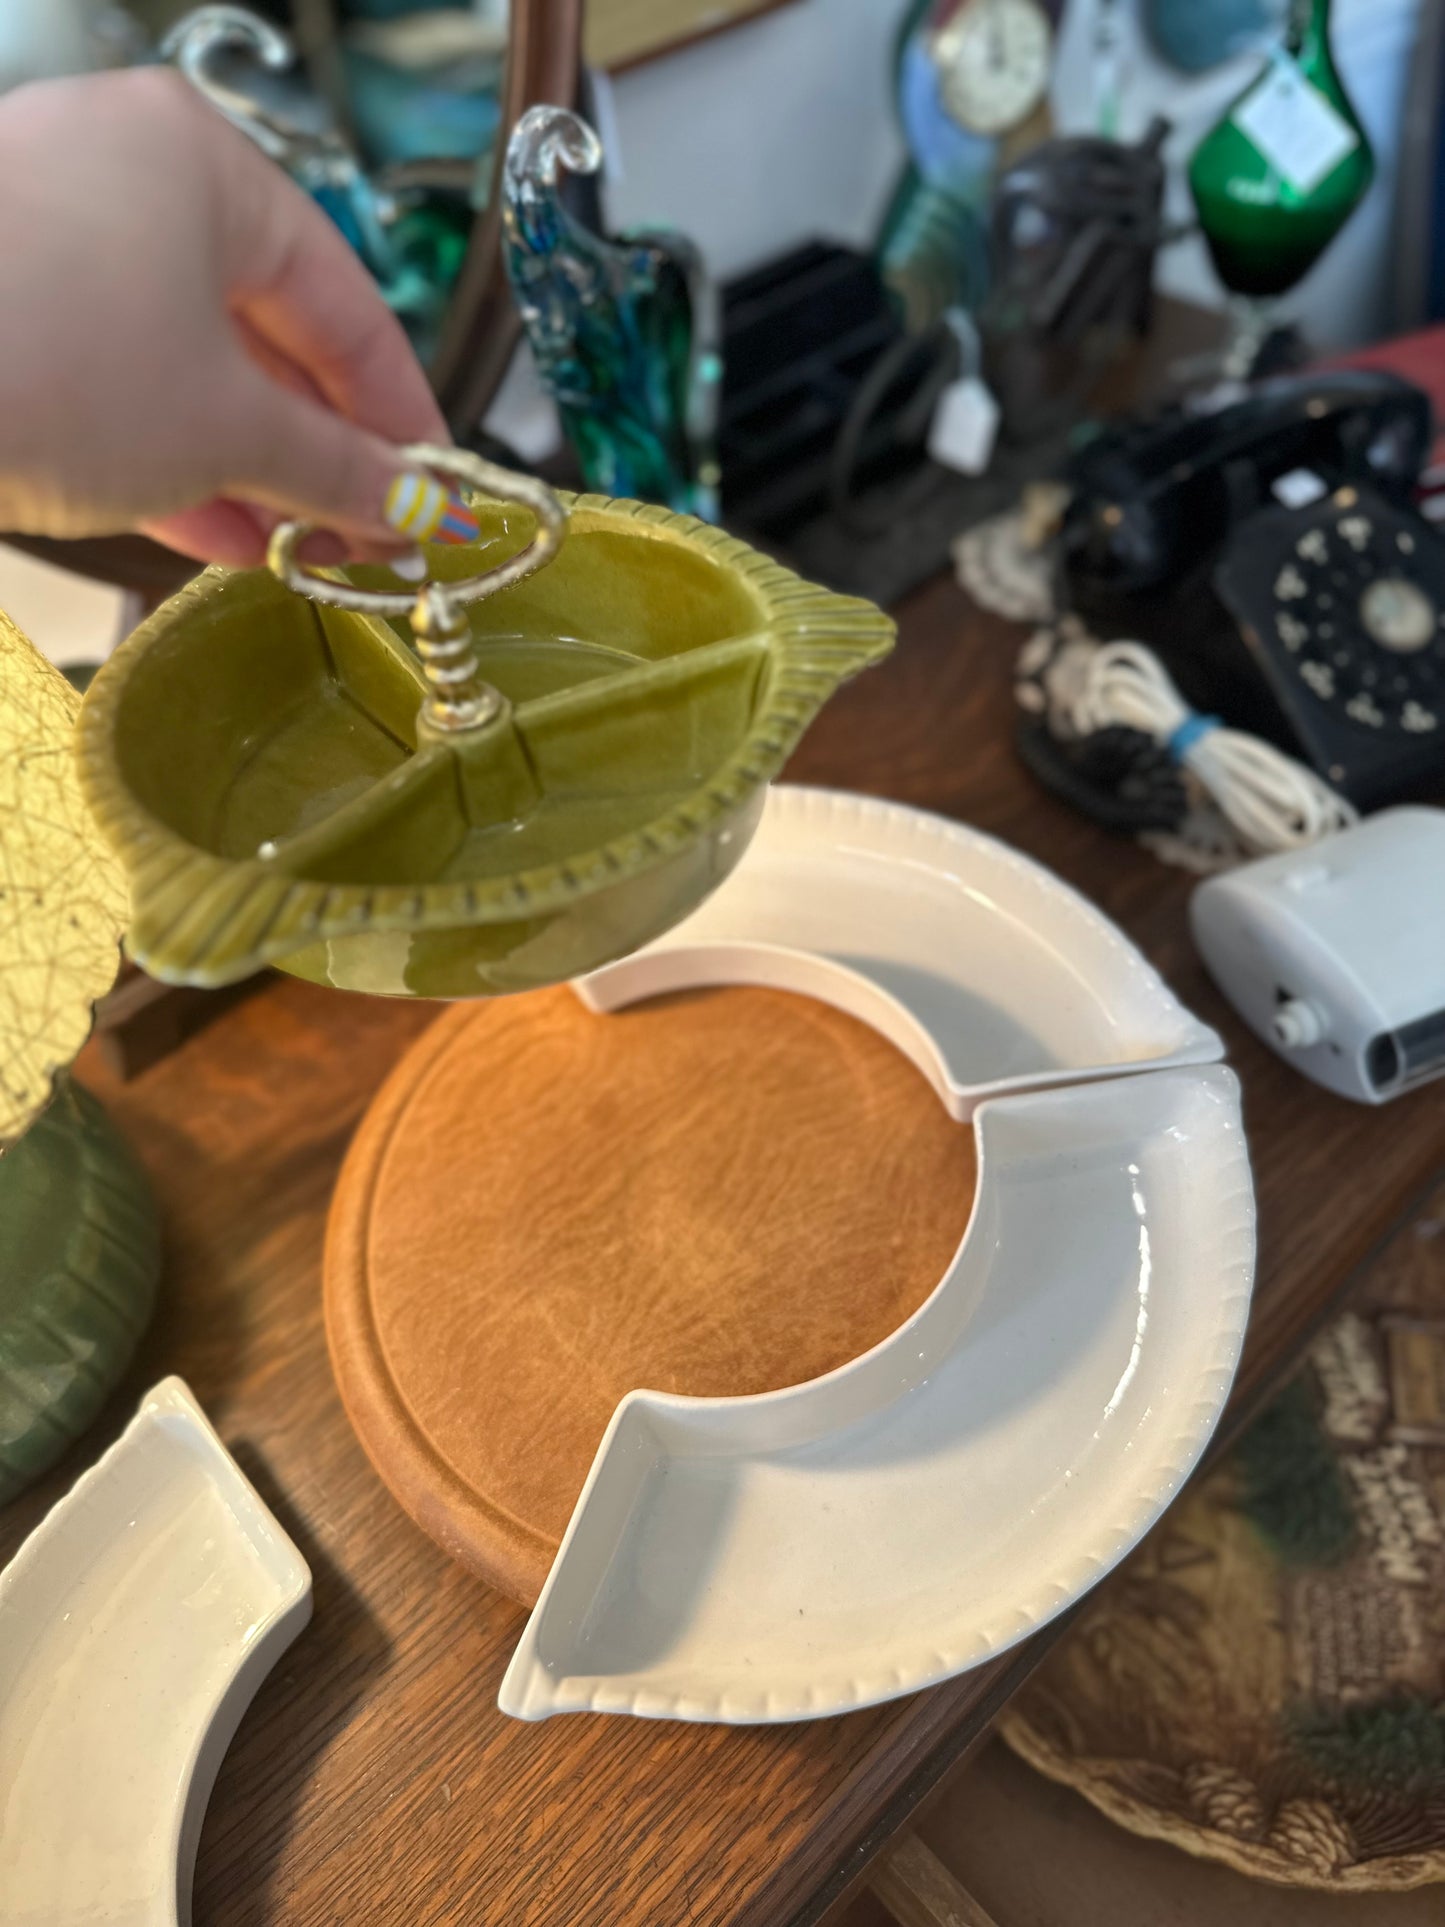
(254, 759)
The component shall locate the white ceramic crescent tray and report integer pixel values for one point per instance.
(136, 1623)
(1019, 981)
(912, 1514)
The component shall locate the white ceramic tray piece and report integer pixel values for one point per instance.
(136, 1623)
(1019, 981)
(912, 1514)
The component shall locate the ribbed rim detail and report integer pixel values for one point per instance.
(204, 919)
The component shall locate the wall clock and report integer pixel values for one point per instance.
(993, 59)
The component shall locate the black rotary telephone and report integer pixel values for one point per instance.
(1270, 554)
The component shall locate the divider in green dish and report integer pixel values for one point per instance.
(284, 784)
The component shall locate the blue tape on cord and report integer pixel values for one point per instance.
(1189, 733)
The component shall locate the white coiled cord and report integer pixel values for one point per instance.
(1273, 802)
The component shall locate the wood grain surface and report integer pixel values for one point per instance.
(728, 1191)
(373, 1779)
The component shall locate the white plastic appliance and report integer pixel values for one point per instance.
(1335, 954)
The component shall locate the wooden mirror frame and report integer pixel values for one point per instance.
(479, 331)
(482, 324)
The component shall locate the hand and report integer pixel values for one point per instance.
(187, 344)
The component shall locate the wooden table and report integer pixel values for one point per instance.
(373, 1780)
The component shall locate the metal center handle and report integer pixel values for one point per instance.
(459, 699)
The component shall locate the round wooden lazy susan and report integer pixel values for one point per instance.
(718, 1193)
(710, 1299)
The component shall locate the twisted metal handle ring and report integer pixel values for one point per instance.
(459, 698)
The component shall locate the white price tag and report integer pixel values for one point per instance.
(1295, 128)
(965, 424)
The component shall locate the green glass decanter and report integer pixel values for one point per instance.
(1278, 176)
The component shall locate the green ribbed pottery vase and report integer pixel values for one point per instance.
(79, 1260)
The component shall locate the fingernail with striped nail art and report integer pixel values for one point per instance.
(418, 506)
(410, 566)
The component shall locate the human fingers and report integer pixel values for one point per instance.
(294, 283)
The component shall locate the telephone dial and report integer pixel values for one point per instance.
(1271, 555)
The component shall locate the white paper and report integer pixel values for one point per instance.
(965, 424)
(1294, 127)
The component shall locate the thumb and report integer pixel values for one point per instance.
(291, 453)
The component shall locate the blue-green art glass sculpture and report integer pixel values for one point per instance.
(413, 245)
(624, 331)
